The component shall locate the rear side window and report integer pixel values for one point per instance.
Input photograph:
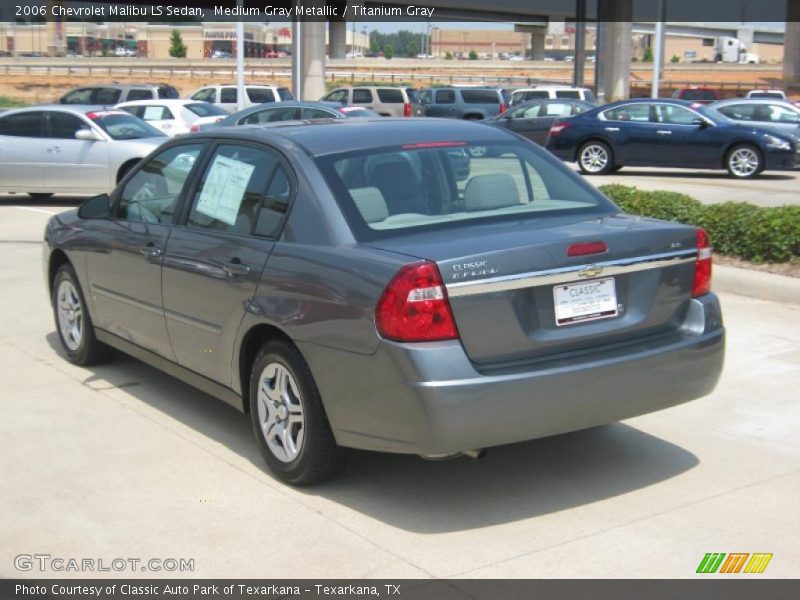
(157, 113)
(271, 115)
(285, 94)
(575, 94)
(629, 112)
(390, 96)
(140, 94)
(227, 95)
(167, 92)
(445, 96)
(151, 195)
(362, 96)
(409, 188)
(532, 95)
(557, 109)
(275, 204)
(205, 95)
(260, 95)
(233, 187)
(27, 124)
(480, 96)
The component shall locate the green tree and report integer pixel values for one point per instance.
(448, 56)
(648, 55)
(388, 52)
(473, 55)
(177, 49)
(675, 59)
(413, 49)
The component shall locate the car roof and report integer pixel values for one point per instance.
(552, 87)
(326, 136)
(287, 104)
(779, 101)
(167, 101)
(79, 109)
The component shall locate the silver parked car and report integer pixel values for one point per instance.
(70, 149)
(356, 283)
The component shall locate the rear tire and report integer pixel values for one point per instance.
(40, 196)
(595, 158)
(288, 418)
(73, 323)
(744, 161)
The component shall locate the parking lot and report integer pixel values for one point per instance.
(123, 461)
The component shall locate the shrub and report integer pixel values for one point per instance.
(736, 228)
(648, 55)
(675, 59)
(388, 52)
(473, 55)
(448, 56)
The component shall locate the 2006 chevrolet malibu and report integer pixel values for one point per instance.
(430, 288)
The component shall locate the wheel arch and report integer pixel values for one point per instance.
(58, 258)
(731, 145)
(594, 138)
(252, 341)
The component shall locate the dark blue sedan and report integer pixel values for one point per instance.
(668, 133)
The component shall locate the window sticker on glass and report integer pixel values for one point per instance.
(152, 113)
(224, 188)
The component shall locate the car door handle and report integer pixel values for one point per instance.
(54, 149)
(150, 251)
(663, 132)
(612, 128)
(236, 269)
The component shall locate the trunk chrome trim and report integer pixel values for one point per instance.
(570, 274)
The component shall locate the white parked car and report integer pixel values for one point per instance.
(175, 117)
(225, 96)
(70, 149)
(551, 92)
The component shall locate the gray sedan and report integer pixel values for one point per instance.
(355, 284)
(70, 149)
(764, 112)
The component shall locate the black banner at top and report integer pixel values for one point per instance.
(774, 12)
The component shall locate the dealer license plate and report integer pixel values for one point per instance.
(585, 301)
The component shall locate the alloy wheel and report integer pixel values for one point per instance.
(280, 412)
(594, 158)
(70, 315)
(744, 162)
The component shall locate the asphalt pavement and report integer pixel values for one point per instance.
(121, 460)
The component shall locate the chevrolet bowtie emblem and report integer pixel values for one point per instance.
(590, 271)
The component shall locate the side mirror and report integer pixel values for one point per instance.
(96, 207)
(700, 122)
(87, 135)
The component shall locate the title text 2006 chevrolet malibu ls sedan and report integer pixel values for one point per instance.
(429, 288)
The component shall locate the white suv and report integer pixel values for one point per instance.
(225, 96)
(551, 92)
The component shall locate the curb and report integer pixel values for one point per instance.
(756, 284)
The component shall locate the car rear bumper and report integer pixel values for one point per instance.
(430, 399)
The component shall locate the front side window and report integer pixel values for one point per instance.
(629, 112)
(529, 95)
(65, 125)
(445, 184)
(557, 109)
(337, 96)
(106, 96)
(445, 96)
(270, 115)
(26, 124)
(81, 96)
(285, 94)
(167, 92)
(205, 95)
(528, 111)
(318, 113)
(151, 195)
(233, 187)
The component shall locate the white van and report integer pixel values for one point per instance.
(551, 92)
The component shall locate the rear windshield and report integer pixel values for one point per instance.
(206, 109)
(285, 94)
(390, 96)
(446, 184)
(480, 96)
(699, 95)
(123, 126)
(765, 95)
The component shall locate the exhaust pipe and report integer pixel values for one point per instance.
(476, 453)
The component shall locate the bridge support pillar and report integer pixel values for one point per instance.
(791, 43)
(337, 39)
(537, 45)
(308, 58)
(614, 49)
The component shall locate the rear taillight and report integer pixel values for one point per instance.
(584, 248)
(556, 128)
(407, 109)
(194, 128)
(702, 267)
(503, 107)
(414, 306)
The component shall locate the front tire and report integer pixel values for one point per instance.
(73, 323)
(595, 158)
(288, 418)
(744, 161)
